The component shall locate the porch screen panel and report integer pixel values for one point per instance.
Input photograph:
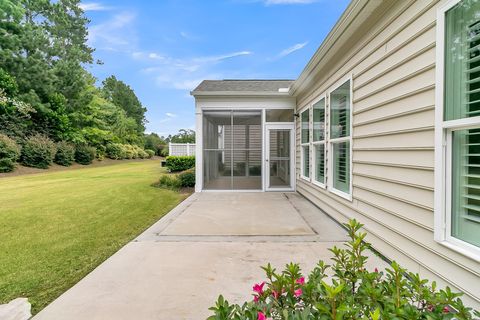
(217, 150)
(232, 150)
(247, 150)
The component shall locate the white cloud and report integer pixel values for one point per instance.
(276, 2)
(153, 55)
(93, 6)
(291, 49)
(222, 57)
(185, 73)
(113, 33)
(170, 115)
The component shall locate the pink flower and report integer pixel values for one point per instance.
(376, 270)
(258, 288)
(297, 293)
(446, 310)
(261, 316)
(275, 294)
(255, 298)
(301, 281)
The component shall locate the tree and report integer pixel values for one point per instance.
(15, 115)
(154, 142)
(183, 136)
(44, 44)
(123, 96)
(44, 86)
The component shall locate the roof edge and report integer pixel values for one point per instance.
(239, 93)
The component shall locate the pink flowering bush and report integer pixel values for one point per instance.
(345, 290)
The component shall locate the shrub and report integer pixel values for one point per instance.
(65, 154)
(142, 154)
(163, 152)
(100, 152)
(84, 154)
(38, 152)
(9, 153)
(116, 151)
(187, 178)
(169, 181)
(139, 152)
(180, 163)
(353, 293)
(130, 152)
(150, 153)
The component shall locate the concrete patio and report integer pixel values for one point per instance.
(211, 243)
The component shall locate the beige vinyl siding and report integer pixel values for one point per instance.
(392, 62)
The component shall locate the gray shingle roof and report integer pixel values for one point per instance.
(260, 86)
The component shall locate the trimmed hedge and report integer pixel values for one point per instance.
(9, 153)
(38, 152)
(65, 155)
(180, 163)
(85, 154)
(187, 178)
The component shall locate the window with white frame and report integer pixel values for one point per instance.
(305, 143)
(458, 127)
(318, 141)
(340, 140)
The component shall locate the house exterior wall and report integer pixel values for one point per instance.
(391, 59)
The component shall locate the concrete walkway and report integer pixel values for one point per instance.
(211, 243)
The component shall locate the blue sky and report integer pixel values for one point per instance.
(164, 48)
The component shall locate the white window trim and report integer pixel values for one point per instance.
(443, 143)
(320, 142)
(330, 170)
(306, 144)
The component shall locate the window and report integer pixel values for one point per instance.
(340, 140)
(305, 144)
(318, 142)
(279, 115)
(457, 196)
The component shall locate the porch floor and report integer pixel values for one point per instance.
(211, 244)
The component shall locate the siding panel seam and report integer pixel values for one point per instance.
(395, 83)
(394, 116)
(398, 215)
(394, 165)
(415, 204)
(398, 48)
(403, 96)
(412, 185)
(389, 133)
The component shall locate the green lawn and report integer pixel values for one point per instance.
(56, 227)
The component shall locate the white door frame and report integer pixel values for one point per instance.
(279, 126)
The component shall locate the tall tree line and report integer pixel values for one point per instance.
(44, 87)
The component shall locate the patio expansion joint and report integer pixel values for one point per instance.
(244, 238)
(299, 212)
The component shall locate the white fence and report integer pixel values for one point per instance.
(181, 149)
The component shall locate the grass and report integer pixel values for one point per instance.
(56, 227)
